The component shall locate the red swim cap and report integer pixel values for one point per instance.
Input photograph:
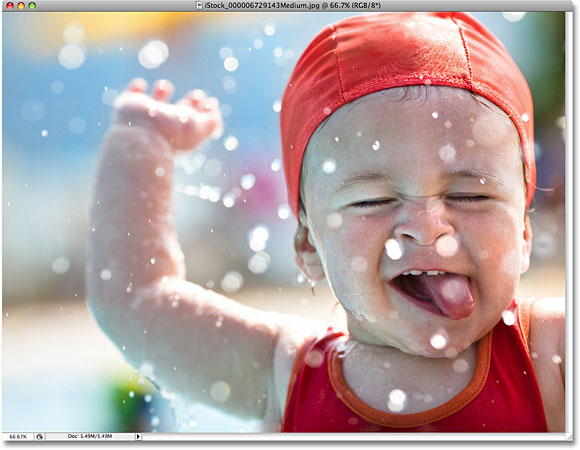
(372, 52)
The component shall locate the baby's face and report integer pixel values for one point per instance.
(421, 185)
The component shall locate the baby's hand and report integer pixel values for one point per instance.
(185, 124)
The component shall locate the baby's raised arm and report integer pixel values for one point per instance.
(185, 338)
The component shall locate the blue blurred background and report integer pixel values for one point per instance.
(60, 75)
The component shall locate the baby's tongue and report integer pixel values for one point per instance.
(449, 292)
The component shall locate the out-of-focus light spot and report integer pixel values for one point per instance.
(269, 30)
(108, 96)
(446, 246)
(60, 265)
(277, 106)
(57, 87)
(72, 56)
(231, 143)
(226, 52)
(393, 249)
(435, 114)
(438, 341)
(258, 238)
(358, 264)
(44, 133)
(283, 212)
(258, 44)
(232, 281)
(229, 200)
(460, 365)
(508, 317)
(376, 145)
(334, 220)
(513, 16)
(230, 85)
(106, 274)
(248, 181)
(73, 31)
(276, 165)
(231, 64)
(447, 153)
(329, 165)
(32, 110)
(153, 54)
(259, 263)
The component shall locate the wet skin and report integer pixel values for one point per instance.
(446, 183)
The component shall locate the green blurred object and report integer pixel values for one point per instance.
(128, 403)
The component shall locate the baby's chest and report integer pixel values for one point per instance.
(404, 384)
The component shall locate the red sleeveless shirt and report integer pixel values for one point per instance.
(502, 396)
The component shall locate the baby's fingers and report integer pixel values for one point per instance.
(137, 85)
(162, 90)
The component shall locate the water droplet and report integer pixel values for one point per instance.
(129, 287)
(314, 358)
(446, 246)
(352, 421)
(509, 318)
(131, 394)
(278, 52)
(219, 391)
(219, 322)
(159, 171)
(470, 143)
(60, 265)
(482, 180)
(326, 111)
(397, 399)
(106, 274)
(513, 16)
(460, 365)
(438, 341)
(57, 87)
(258, 44)
(258, 238)
(229, 200)
(556, 359)
(534, 355)
(329, 165)
(153, 54)
(154, 421)
(284, 212)
(269, 30)
(525, 117)
(447, 124)
(358, 134)
(212, 168)
(232, 281)
(147, 368)
(152, 260)
(450, 352)
(435, 114)
(336, 139)
(231, 143)
(231, 64)
(358, 264)
(447, 153)
(334, 220)
(77, 125)
(276, 165)
(72, 56)
(148, 398)
(259, 263)
(229, 84)
(376, 145)
(73, 31)
(393, 249)
(277, 106)
(44, 133)
(248, 181)
(427, 398)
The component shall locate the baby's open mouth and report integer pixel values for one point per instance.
(449, 292)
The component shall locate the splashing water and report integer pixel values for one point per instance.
(259, 263)
(232, 281)
(284, 212)
(438, 341)
(397, 399)
(358, 264)
(509, 318)
(329, 165)
(258, 238)
(231, 143)
(334, 220)
(60, 265)
(393, 249)
(105, 274)
(153, 54)
(447, 153)
(231, 64)
(248, 181)
(446, 246)
(219, 391)
(460, 365)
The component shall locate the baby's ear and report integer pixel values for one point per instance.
(526, 244)
(306, 255)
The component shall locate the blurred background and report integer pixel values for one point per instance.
(60, 74)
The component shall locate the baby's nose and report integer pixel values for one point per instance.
(423, 222)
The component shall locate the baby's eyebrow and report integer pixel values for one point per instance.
(446, 177)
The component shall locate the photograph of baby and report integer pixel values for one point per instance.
(285, 222)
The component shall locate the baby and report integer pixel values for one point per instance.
(408, 153)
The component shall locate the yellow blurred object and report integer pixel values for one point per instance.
(51, 31)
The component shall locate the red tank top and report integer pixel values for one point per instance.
(502, 396)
